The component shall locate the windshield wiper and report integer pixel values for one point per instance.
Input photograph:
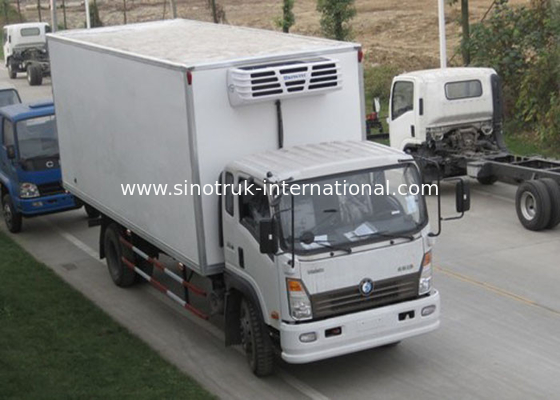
(386, 235)
(327, 245)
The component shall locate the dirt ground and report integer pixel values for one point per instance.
(403, 33)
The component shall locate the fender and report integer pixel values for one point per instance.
(237, 288)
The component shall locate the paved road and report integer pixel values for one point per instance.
(499, 337)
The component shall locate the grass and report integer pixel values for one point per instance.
(55, 344)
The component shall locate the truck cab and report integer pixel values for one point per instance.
(25, 50)
(333, 271)
(446, 113)
(30, 177)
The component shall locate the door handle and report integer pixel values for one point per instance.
(412, 131)
(241, 257)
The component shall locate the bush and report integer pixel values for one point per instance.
(378, 81)
(522, 44)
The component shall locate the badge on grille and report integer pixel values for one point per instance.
(366, 287)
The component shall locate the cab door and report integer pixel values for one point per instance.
(241, 213)
(402, 116)
(7, 165)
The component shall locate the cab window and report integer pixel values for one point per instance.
(463, 90)
(403, 99)
(29, 32)
(8, 138)
(252, 207)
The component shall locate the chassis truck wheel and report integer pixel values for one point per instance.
(12, 71)
(554, 192)
(91, 212)
(34, 75)
(122, 275)
(255, 340)
(533, 205)
(12, 218)
(487, 180)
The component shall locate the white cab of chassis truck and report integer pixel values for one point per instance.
(310, 275)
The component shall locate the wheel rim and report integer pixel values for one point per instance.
(246, 333)
(528, 206)
(8, 216)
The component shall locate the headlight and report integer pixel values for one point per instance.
(28, 191)
(426, 275)
(300, 305)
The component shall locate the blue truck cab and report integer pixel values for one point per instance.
(30, 177)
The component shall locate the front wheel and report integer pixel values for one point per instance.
(255, 340)
(12, 218)
(12, 72)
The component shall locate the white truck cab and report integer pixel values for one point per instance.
(446, 111)
(25, 49)
(352, 271)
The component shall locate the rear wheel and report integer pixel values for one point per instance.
(120, 274)
(554, 192)
(255, 340)
(12, 218)
(533, 205)
(34, 75)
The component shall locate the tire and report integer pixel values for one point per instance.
(91, 212)
(487, 180)
(12, 72)
(255, 340)
(554, 192)
(533, 205)
(34, 75)
(121, 275)
(12, 218)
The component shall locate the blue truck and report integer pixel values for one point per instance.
(30, 177)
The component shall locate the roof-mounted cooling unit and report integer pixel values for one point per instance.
(248, 85)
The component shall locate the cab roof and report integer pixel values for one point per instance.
(27, 25)
(449, 74)
(18, 112)
(314, 160)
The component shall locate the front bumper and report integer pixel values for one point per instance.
(46, 204)
(359, 331)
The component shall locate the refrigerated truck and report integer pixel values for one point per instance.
(177, 102)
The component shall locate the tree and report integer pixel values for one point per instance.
(288, 18)
(94, 15)
(465, 28)
(521, 44)
(335, 18)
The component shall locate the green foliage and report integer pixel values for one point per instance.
(378, 81)
(335, 18)
(523, 45)
(9, 14)
(288, 18)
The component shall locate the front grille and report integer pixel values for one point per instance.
(49, 189)
(347, 300)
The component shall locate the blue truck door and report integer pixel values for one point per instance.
(7, 165)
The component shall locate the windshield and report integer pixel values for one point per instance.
(8, 97)
(346, 210)
(37, 138)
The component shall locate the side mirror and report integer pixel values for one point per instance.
(268, 242)
(462, 196)
(11, 152)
